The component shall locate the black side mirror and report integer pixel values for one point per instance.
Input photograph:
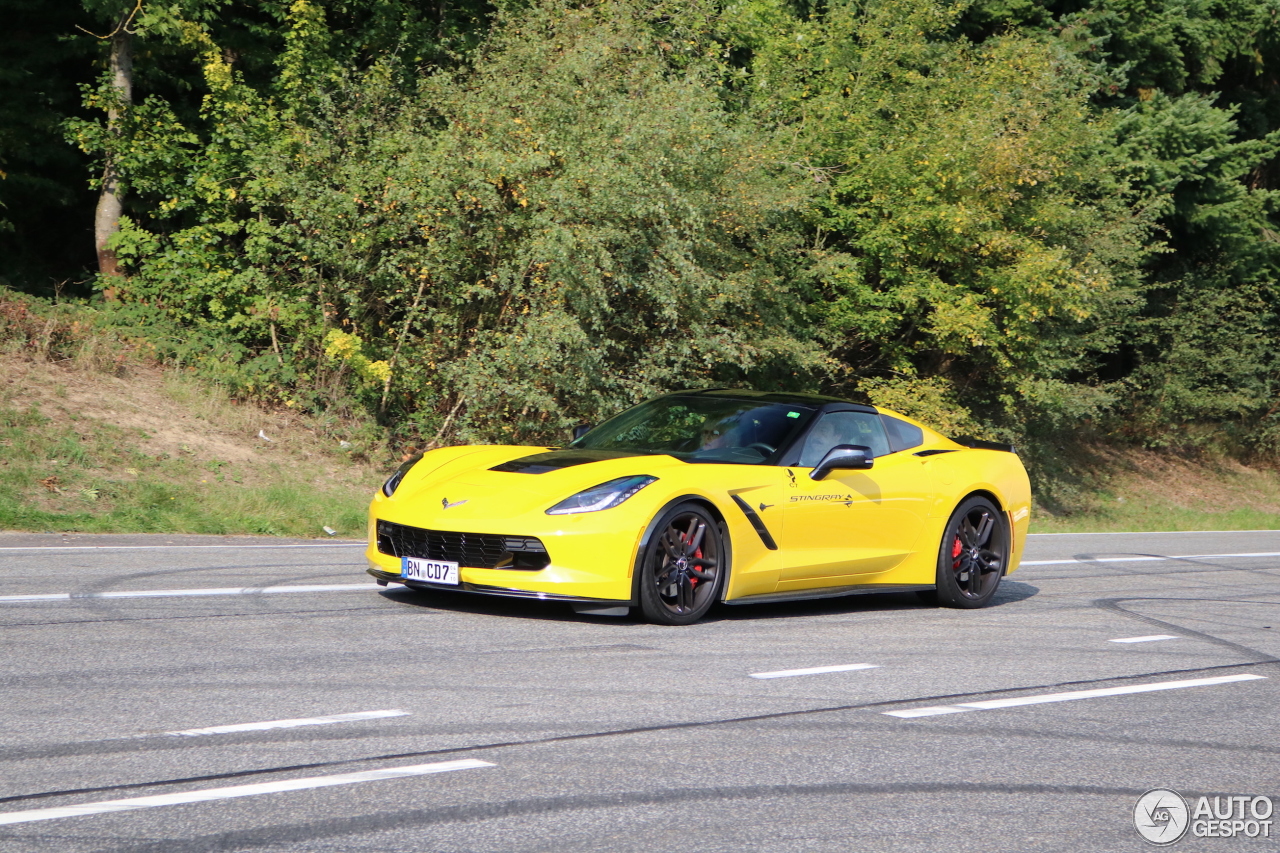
(580, 430)
(843, 456)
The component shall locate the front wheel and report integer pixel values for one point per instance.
(683, 566)
(973, 555)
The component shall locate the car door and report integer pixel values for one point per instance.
(851, 525)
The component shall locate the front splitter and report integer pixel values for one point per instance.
(599, 606)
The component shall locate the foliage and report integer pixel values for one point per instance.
(36, 329)
(972, 228)
(1204, 347)
(1013, 217)
(1197, 122)
(566, 228)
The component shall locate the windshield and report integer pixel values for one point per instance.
(701, 429)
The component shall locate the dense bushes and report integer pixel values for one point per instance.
(974, 231)
(1006, 218)
(564, 229)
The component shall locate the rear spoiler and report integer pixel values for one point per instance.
(981, 444)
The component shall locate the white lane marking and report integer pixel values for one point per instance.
(1145, 559)
(48, 596)
(1152, 533)
(910, 713)
(989, 704)
(169, 593)
(347, 544)
(238, 791)
(1098, 560)
(290, 724)
(1148, 639)
(815, 670)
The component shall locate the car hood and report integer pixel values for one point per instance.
(511, 481)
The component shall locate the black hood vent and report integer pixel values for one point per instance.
(555, 460)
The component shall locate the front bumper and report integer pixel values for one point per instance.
(586, 560)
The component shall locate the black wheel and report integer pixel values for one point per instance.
(973, 555)
(682, 567)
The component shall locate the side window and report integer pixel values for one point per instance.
(902, 435)
(843, 428)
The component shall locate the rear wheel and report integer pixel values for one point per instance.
(973, 555)
(683, 566)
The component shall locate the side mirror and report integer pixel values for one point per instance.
(843, 456)
(580, 430)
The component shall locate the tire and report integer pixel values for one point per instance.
(973, 555)
(683, 566)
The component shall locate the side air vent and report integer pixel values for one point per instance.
(757, 523)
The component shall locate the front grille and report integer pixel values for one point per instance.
(478, 550)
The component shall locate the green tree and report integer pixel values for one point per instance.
(213, 68)
(972, 235)
(1204, 346)
(569, 224)
(1198, 101)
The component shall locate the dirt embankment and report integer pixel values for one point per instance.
(1117, 489)
(150, 449)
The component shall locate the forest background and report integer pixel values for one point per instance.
(1046, 222)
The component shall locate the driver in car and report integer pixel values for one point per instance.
(721, 432)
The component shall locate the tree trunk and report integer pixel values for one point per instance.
(107, 219)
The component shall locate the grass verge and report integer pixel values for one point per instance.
(1104, 489)
(149, 452)
(91, 476)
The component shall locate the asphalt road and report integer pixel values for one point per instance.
(143, 681)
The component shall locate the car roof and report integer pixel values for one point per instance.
(785, 398)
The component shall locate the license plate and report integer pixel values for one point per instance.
(434, 571)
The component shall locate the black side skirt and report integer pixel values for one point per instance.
(828, 592)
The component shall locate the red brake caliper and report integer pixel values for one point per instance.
(684, 537)
(697, 555)
(955, 553)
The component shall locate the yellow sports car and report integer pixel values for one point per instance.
(705, 496)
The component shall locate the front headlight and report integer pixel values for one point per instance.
(604, 496)
(393, 482)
